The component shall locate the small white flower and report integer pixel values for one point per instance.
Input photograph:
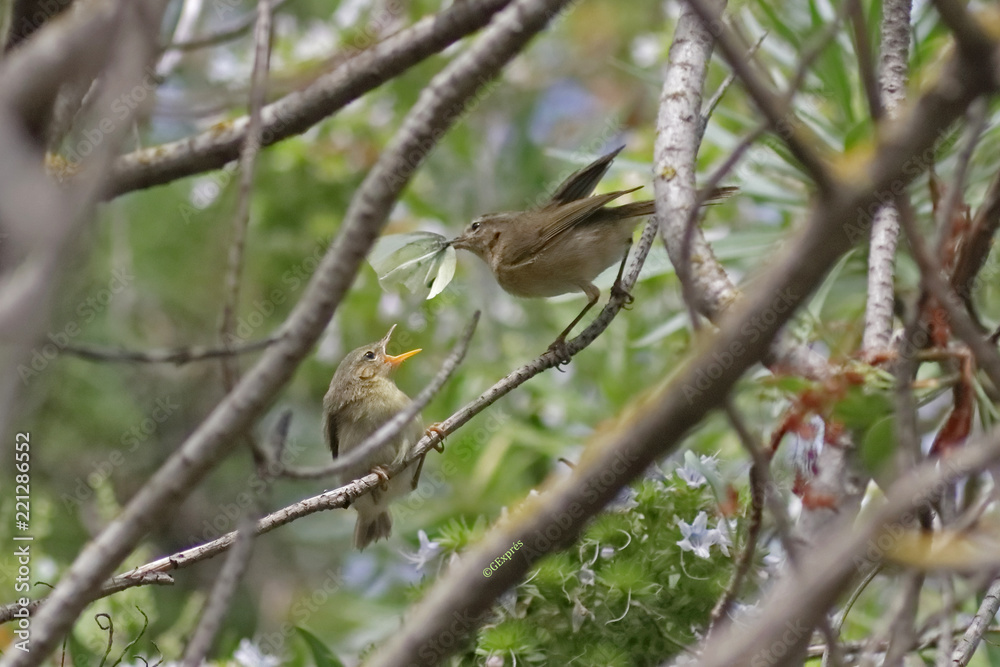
(249, 654)
(691, 475)
(699, 538)
(427, 552)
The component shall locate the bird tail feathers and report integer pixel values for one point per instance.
(370, 529)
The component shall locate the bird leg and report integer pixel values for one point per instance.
(558, 346)
(432, 430)
(383, 481)
(435, 429)
(617, 290)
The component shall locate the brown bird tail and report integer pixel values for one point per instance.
(370, 529)
(633, 210)
(640, 208)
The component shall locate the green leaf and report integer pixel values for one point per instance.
(860, 409)
(423, 262)
(320, 653)
(878, 445)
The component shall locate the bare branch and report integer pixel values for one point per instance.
(901, 631)
(706, 286)
(181, 355)
(248, 164)
(113, 586)
(866, 64)
(233, 31)
(894, 63)
(239, 559)
(297, 112)
(977, 628)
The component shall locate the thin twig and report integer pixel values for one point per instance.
(113, 586)
(796, 137)
(691, 223)
(901, 629)
(248, 164)
(866, 62)
(947, 632)
(977, 628)
(986, 356)
(943, 221)
(755, 513)
(709, 107)
(178, 356)
(239, 558)
(973, 253)
(236, 29)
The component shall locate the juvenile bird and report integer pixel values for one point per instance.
(563, 245)
(361, 398)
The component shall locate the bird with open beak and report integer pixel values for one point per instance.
(362, 397)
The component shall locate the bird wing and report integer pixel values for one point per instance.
(581, 183)
(330, 433)
(563, 218)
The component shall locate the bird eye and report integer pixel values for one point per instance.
(474, 226)
(369, 355)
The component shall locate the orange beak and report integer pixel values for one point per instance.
(400, 358)
(395, 361)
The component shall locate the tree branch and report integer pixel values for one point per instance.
(894, 63)
(181, 355)
(977, 628)
(799, 601)
(297, 112)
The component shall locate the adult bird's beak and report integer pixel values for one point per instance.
(394, 361)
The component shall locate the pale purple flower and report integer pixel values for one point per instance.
(427, 552)
(699, 538)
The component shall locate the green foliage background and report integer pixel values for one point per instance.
(591, 83)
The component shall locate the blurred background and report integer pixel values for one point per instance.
(154, 279)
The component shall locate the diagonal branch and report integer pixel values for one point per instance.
(297, 112)
(800, 600)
